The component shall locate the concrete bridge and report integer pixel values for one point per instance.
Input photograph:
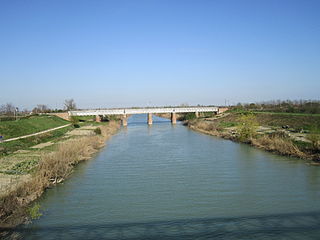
(99, 113)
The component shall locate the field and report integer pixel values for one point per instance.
(33, 124)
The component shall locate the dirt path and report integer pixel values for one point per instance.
(34, 134)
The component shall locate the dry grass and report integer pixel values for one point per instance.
(209, 127)
(283, 146)
(278, 143)
(53, 168)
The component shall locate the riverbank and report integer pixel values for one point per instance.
(52, 165)
(287, 141)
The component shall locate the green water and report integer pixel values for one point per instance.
(168, 182)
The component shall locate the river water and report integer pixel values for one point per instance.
(168, 182)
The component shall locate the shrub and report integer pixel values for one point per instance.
(97, 131)
(74, 120)
(190, 116)
(34, 211)
(247, 127)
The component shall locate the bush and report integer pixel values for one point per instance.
(247, 127)
(97, 131)
(34, 211)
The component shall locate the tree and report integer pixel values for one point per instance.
(247, 127)
(41, 108)
(69, 104)
(8, 109)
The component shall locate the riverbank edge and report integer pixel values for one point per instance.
(253, 143)
(53, 169)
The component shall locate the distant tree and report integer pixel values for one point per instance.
(40, 108)
(25, 111)
(7, 109)
(69, 104)
(184, 105)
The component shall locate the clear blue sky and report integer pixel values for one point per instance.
(165, 52)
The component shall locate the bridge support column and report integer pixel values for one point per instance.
(150, 118)
(98, 118)
(124, 120)
(173, 118)
(197, 114)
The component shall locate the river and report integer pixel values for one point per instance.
(168, 182)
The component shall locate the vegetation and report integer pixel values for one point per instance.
(34, 211)
(75, 122)
(288, 106)
(69, 104)
(23, 167)
(281, 145)
(33, 124)
(314, 138)
(97, 131)
(226, 124)
(21, 144)
(247, 127)
(187, 116)
(290, 134)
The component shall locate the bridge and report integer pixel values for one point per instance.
(124, 112)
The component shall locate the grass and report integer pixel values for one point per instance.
(34, 124)
(85, 118)
(22, 144)
(298, 122)
(226, 124)
(294, 121)
(288, 114)
(283, 146)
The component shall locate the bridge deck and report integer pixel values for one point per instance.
(141, 111)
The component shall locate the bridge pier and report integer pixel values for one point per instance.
(197, 114)
(150, 118)
(98, 118)
(124, 120)
(173, 118)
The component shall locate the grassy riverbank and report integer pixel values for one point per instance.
(284, 134)
(44, 165)
(32, 124)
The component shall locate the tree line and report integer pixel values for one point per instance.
(287, 106)
(10, 110)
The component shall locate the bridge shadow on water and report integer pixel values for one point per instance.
(281, 226)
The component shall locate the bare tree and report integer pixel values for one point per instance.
(7, 109)
(69, 104)
(41, 108)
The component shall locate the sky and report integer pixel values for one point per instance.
(158, 52)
